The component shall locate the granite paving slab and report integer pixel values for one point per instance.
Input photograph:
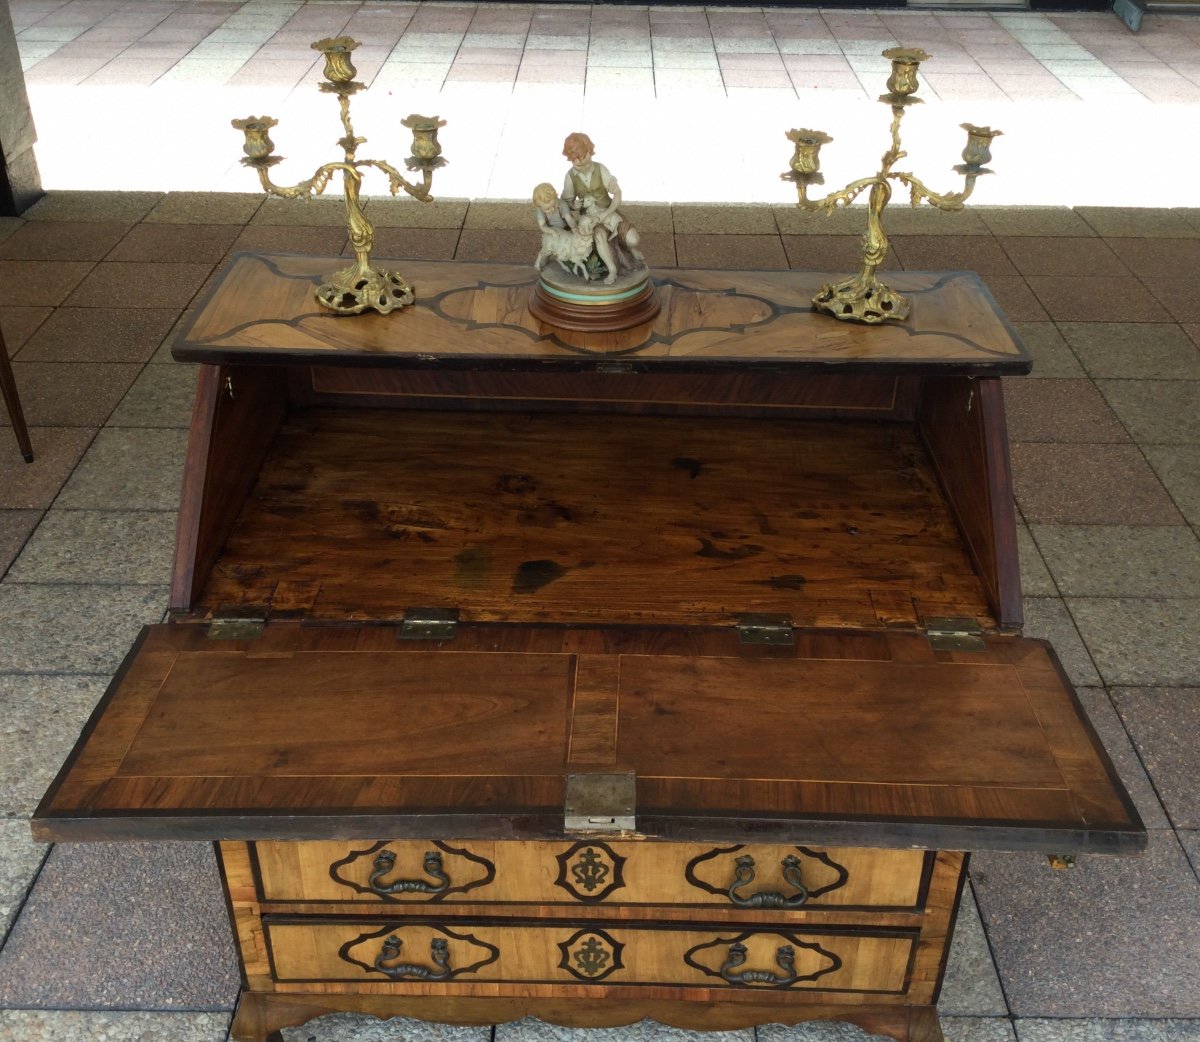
(162, 396)
(730, 251)
(16, 526)
(70, 394)
(698, 219)
(1178, 467)
(19, 323)
(1033, 220)
(206, 208)
(1052, 357)
(1112, 937)
(32, 283)
(61, 205)
(531, 1030)
(977, 1029)
(1083, 298)
(40, 723)
(26, 1025)
(20, 860)
(1097, 1030)
(128, 469)
(64, 240)
(141, 926)
(1137, 222)
(170, 242)
(350, 1027)
(1164, 724)
(1048, 619)
(68, 628)
(1121, 560)
(1036, 580)
(1165, 412)
(98, 546)
(33, 486)
(1061, 255)
(1133, 350)
(1130, 769)
(1058, 410)
(1089, 484)
(1190, 838)
(140, 284)
(1138, 642)
(971, 986)
(99, 335)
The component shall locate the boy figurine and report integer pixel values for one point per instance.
(590, 189)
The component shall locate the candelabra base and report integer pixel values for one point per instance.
(861, 299)
(361, 287)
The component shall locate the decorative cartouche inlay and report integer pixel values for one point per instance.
(591, 955)
(590, 871)
(444, 870)
(405, 952)
(802, 874)
(763, 962)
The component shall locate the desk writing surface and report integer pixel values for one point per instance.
(473, 316)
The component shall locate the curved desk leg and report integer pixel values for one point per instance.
(8, 385)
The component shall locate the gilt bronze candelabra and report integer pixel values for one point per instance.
(863, 298)
(360, 286)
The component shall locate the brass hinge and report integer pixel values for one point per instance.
(954, 634)
(600, 802)
(236, 627)
(429, 624)
(765, 629)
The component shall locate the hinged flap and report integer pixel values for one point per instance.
(429, 623)
(866, 738)
(954, 634)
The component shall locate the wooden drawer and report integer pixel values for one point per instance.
(589, 872)
(400, 953)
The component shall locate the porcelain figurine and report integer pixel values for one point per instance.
(590, 189)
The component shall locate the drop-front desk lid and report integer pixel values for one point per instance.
(474, 316)
(353, 731)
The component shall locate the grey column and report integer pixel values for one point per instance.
(20, 183)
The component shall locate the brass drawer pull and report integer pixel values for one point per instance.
(439, 951)
(385, 861)
(743, 875)
(785, 958)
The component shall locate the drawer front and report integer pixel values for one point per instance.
(590, 872)
(402, 953)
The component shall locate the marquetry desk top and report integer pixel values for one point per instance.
(474, 316)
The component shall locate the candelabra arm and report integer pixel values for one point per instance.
(398, 180)
(943, 201)
(842, 197)
(315, 185)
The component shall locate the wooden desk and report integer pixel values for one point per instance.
(594, 678)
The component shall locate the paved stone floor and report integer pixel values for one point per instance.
(129, 942)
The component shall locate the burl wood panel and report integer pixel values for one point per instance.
(335, 732)
(579, 872)
(363, 514)
(475, 316)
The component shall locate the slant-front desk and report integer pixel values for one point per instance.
(666, 673)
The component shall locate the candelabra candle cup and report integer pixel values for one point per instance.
(905, 62)
(258, 145)
(979, 145)
(425, 145)
(806, 159)
(337, 51)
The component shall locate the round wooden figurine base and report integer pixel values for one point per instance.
(569, 302)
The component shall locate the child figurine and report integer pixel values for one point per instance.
(563, 238)
(590, 189)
